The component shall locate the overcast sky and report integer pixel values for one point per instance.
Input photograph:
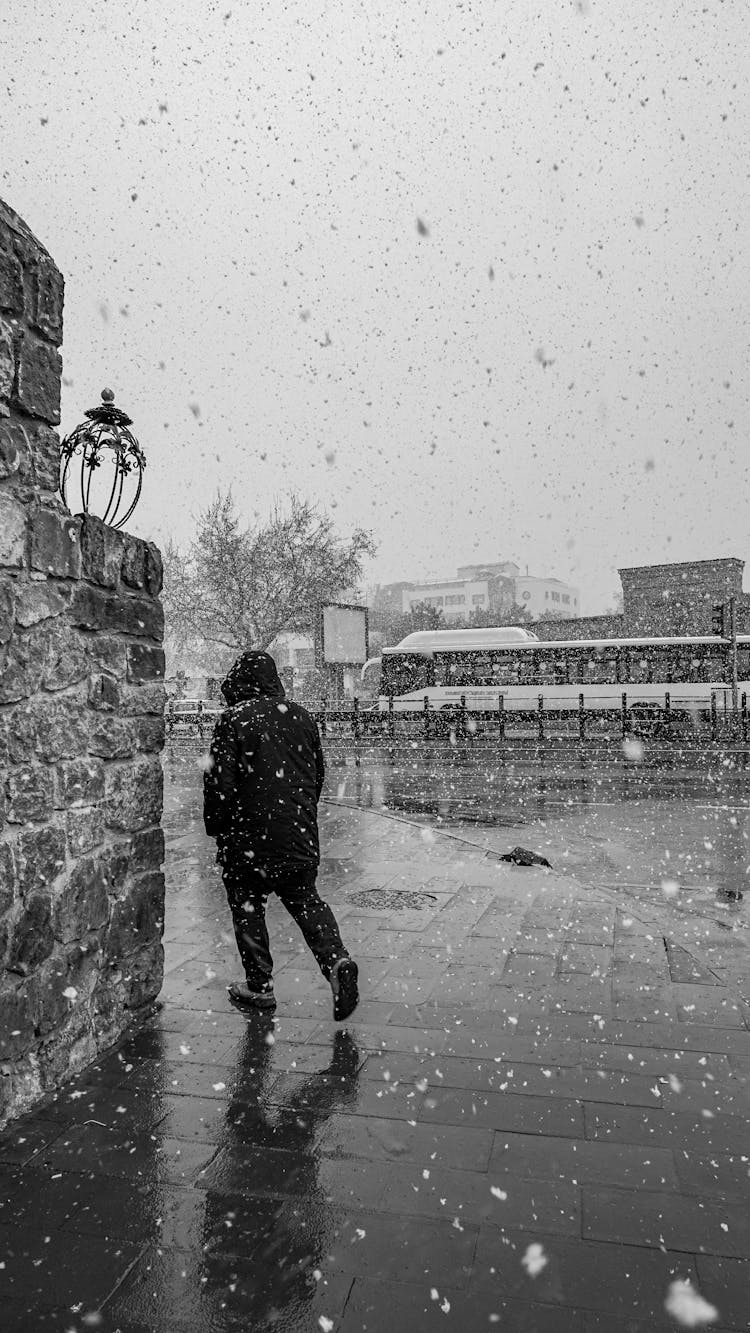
(556, 372)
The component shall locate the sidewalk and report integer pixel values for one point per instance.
(540, 1119)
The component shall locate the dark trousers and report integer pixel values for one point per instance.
(249, 886)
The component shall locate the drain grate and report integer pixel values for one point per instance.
(397, 900)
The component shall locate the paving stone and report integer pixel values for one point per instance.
(206, 1291)
(650, 1218)
(504, 1110)
(724, 1283)
(702, 1134)
(582, 1161)
(40, 1277)
(416, 1308)
(724, 1175)
(622, 1280)
(467, 1196)
(387, 1140)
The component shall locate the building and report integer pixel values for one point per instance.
(458, 598)
(665, 600)
(548, 597)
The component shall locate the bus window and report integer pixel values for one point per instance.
(505, 669)
(599, 666)
(743, 662)
(637, 665)
(403, 673)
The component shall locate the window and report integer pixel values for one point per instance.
(566, 599)
(546, 596)
(477, 599)
(455, 600)
(403, 672)
(555, 597)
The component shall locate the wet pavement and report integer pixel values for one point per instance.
(538, 1118)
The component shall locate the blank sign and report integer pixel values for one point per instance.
(345, 634)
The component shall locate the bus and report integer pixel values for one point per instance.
(451, 668)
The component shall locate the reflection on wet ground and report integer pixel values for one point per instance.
(538, 1118)
(637, 826)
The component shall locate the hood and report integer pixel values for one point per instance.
(253, 675)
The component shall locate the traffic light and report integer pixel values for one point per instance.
(717, 620)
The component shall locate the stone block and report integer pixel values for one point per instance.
(143, 979)
(12, 532)
(107, 654)
(149, 734)
(101, 552)
(19, 1010)
(145, 663)
(7, 611)
(50, 729)
(55, 1008)
(133, 565)
(7, 366)
(15, 451)
(104, 693)
(80, 782)
(154, 570)
(137, 919)
(8, 877)
(30, 452)
(31, 938)
(11, 283)
(29, 790)
(139, 700)
(146, 850)
(38, 380)
(39, 601)
(110, 737)
(141, 565)
(116, 866)
(45, 457)
(40, 857)
(56, 543)
(65, 658)
(84, 827)
(21, 666)
(94, 609)
(47, 291)
(134, 794)
(82, 904)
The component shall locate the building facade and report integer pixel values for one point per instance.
(665, 601)
(549, 597)
(459, 598)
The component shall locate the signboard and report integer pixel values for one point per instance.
(344, 634)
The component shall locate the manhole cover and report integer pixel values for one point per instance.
(394, 899)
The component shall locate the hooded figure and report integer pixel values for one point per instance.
(260, 803)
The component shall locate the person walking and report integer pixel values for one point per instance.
(260, 802)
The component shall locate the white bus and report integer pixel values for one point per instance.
(447, 667)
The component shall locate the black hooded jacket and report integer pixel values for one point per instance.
(265, 773)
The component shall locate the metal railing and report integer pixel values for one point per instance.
(541, 722)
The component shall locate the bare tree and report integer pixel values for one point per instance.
(237, 587)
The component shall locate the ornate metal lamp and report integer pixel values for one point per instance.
(103, 445)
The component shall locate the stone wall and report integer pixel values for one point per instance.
(81, 726)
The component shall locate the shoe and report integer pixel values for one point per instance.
(245, 998)
(344, 976)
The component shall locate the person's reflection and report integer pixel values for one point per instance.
(273, 1121)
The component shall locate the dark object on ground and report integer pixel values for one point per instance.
(344, 976)
(521, 857)
(244, 998)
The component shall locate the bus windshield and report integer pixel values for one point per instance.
(402, 673)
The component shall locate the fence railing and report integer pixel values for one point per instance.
(662, 720)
